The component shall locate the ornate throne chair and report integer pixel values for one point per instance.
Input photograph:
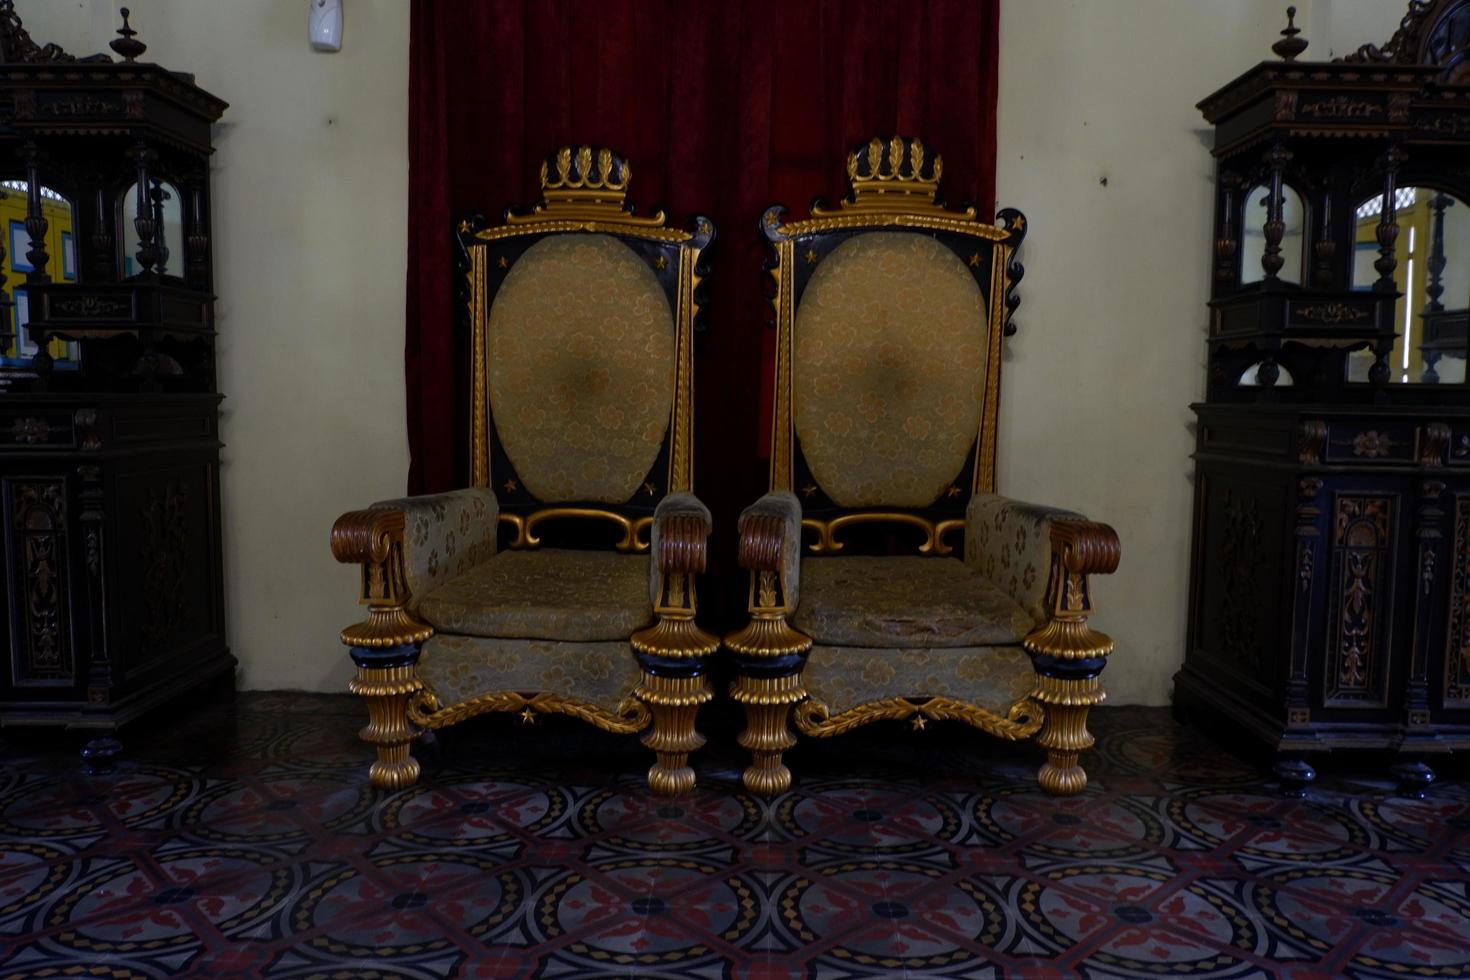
(580, 318)
(890, 312)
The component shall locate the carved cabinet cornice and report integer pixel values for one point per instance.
(1328, 606)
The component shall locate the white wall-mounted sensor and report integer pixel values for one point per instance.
(324, 24)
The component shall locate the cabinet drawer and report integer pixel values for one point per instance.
(1392, 443)
(42, 429)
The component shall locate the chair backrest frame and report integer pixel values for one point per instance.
(893, 187)
(583, 193)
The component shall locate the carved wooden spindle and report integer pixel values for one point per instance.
(1387, 262)
(144, 222)
(197, 236)
(102, 259)
(36, 224)
(1434, 288)
(1227, 244)
(1434, 267)
(158, 196)
(1275, 227)
(1325, 250)
(1388, 223)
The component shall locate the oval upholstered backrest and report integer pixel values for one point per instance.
(890, 345)
(581, 382)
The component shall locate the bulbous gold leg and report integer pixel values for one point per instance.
(1065, 734)
(386, 691)
(1064, 737)
(674, 703)
(767, 735)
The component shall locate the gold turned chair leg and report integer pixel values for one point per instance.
(387, 691)
(1065, 734)
(767, 734)
(674, 703)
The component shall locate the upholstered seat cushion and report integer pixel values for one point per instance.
(547, 594)
(905, 602)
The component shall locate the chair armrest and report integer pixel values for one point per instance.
(770, 541)
(1010, 543)
(678, 545)
(445, 534)
(405, 548)
(770, 547)
(373, 538)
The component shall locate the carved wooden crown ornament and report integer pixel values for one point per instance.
(897, 175)
(585, 184)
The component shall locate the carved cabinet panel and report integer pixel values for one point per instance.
(111, 564)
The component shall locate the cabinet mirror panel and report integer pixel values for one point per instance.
(167, 209)
(1253, 235)
(60, 246)
(1432, 277)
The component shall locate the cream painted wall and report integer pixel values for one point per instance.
(310, 194)
(1101, 146)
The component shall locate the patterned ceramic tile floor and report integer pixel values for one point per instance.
(246, 842)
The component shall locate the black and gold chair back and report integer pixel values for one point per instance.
(891, 311)
(580, 317)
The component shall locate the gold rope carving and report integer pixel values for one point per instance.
(629, 229)
(839, 222)
(1022, 721)
(632, 715)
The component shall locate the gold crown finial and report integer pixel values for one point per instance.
(893, 173)
(585, 178)
(585, 184)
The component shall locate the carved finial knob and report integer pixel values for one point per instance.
(1290, 45)
(125, 45)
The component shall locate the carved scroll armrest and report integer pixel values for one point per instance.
(770, 548)
(679, 542)
(1079, 548)
(373, 538)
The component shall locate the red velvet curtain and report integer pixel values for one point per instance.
(722, 108)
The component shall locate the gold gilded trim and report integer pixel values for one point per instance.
(681, 467)
(934, 544)
(1022, 721)
(480, 405)
(632, 715)
(984, 481)
(525, 526)
(782, 435)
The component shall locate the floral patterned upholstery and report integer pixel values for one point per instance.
(890, 347)
(547, 594)
(445, 535)
(993, 677)
(459, 668)
(1009, 542)
(903, 602)
(581, 389)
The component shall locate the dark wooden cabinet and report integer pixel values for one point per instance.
(109, 443)
(1330, 589)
